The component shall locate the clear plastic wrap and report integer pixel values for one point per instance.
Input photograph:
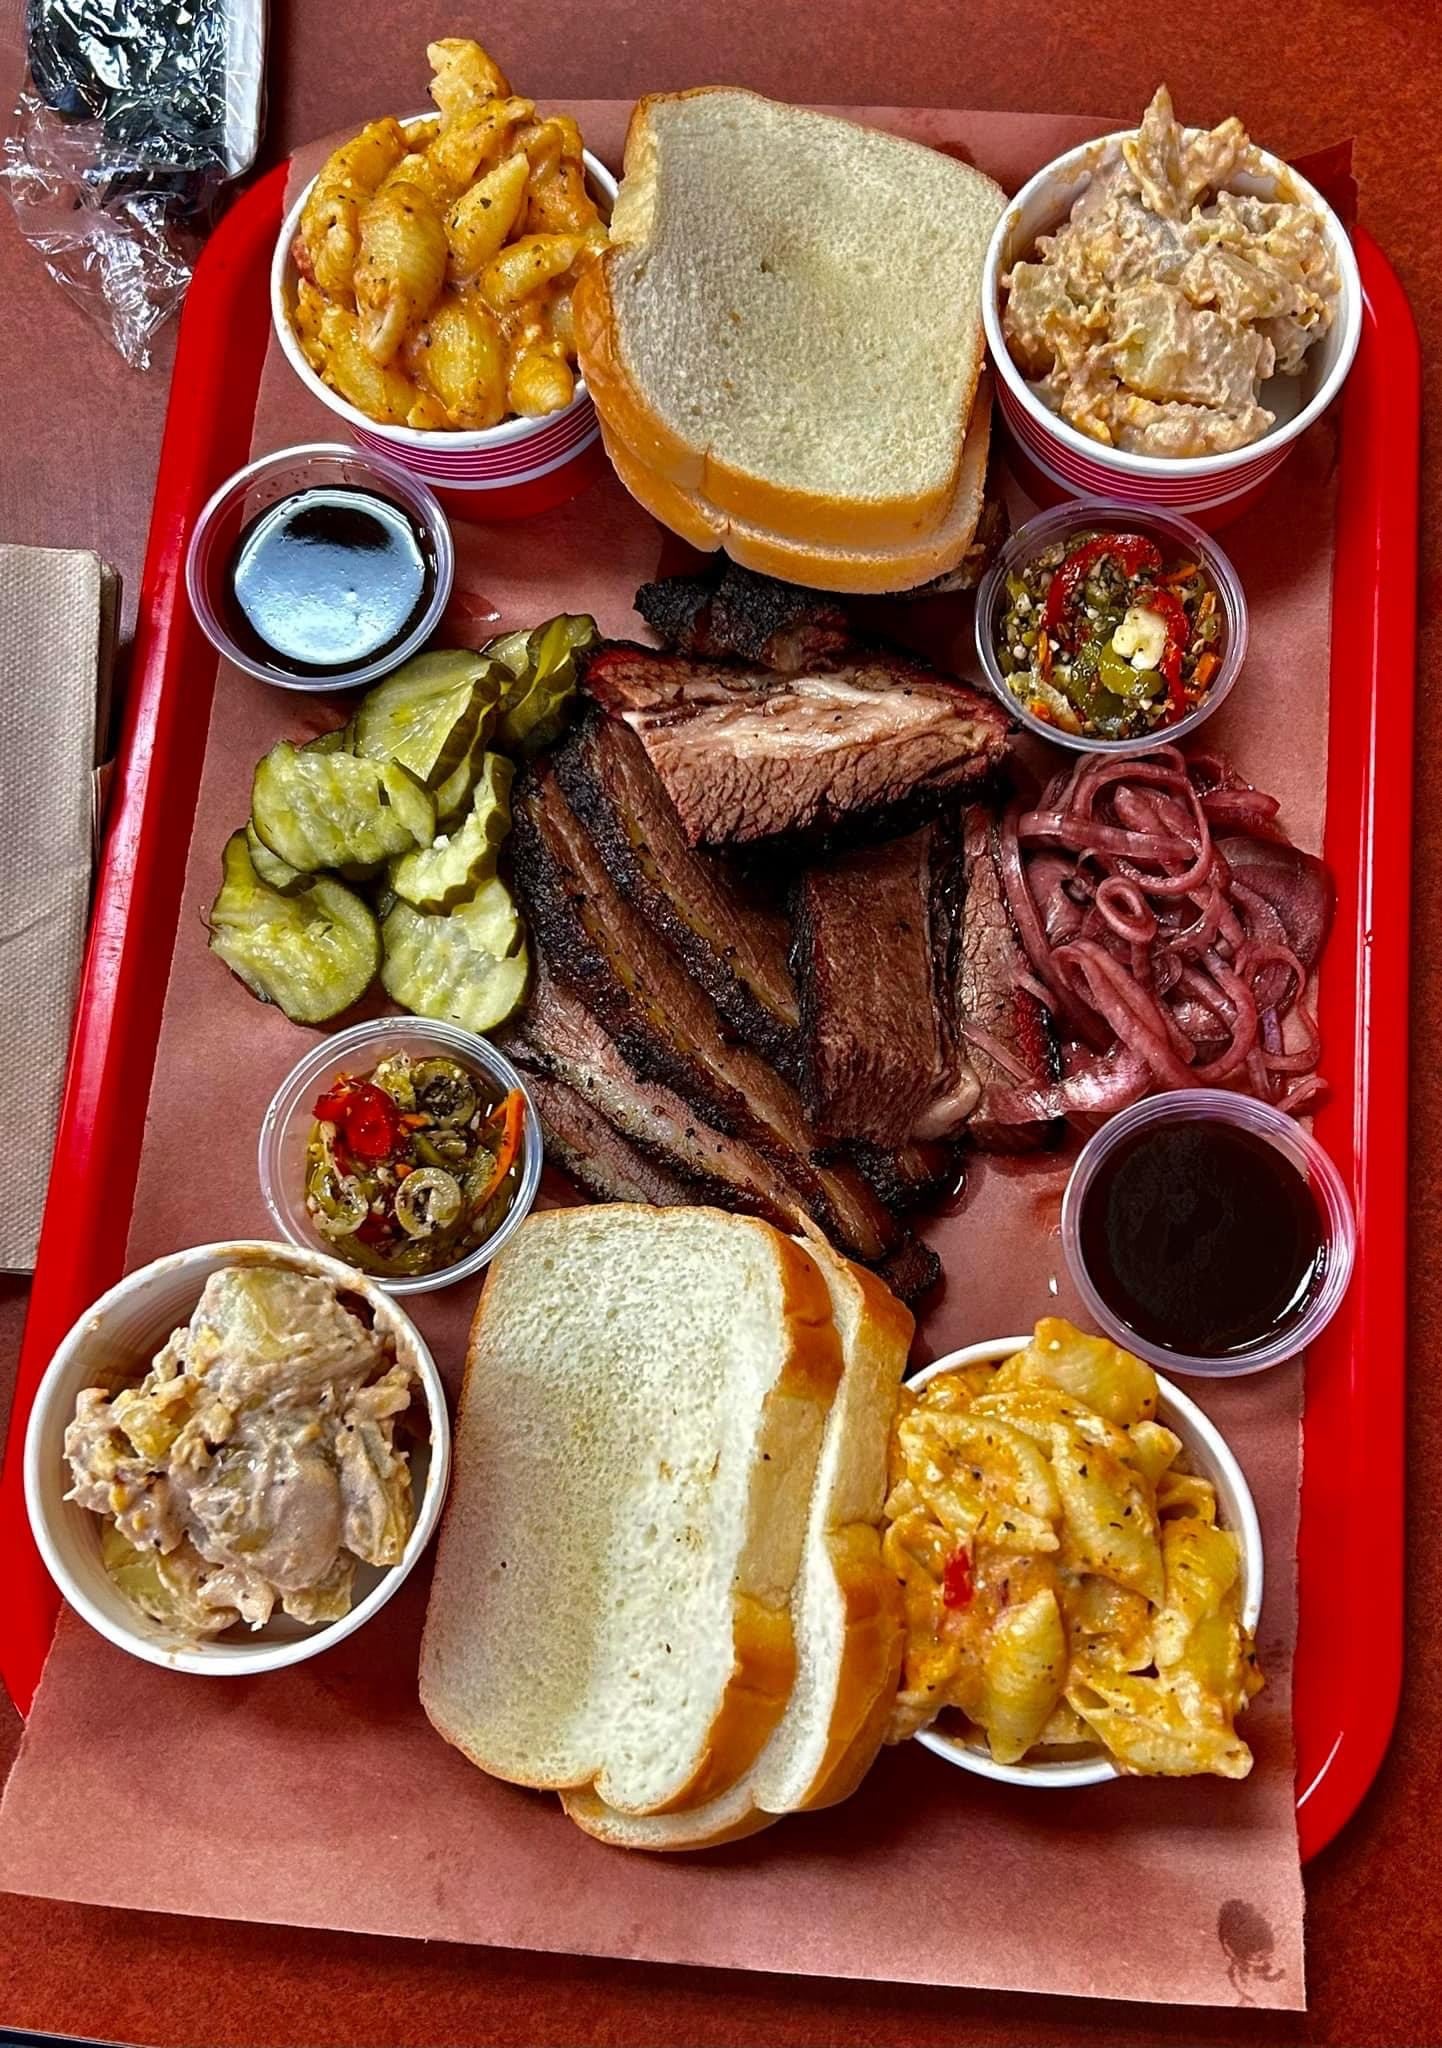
(134, 116)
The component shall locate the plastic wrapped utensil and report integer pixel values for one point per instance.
(134, 116)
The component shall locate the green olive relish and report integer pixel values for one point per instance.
(1104, 635)
(412, 1166)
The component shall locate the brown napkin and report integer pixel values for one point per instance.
(57, 634)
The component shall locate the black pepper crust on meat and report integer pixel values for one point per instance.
(632, 1127)
(731, 943)
(664, 1027)
(860, 747)
(735, 614)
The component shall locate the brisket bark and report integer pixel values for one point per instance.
(591, 1152)
(557, 1036)
(742, 616)
(748, 755)
(663, 1025)
(730, 942)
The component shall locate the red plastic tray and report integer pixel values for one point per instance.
(1351, 1549)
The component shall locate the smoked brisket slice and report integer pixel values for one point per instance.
(739, 615)
(557, 1036)
(594, 1154)
(870, 952)
(731, 943)
(749, 755)
(1007, 1031)
(664, 1025)
(907, 1176)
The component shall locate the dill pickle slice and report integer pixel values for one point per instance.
(537, 701)
(512, 650)
(446, 873)
(273, 871)
(340, 740)
(311, 954)
(430, 713)
(336, 810)
(468, 967)
(454, 794)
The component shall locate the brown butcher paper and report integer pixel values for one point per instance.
(321, 1796)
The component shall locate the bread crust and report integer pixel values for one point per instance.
(873, 1641)
(620, 1831)
(815, 566)
(763, 1642)
(870, 1668)
(790, 513)
(756, 1691)
(753, 1702)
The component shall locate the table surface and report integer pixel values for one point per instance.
(82, 434)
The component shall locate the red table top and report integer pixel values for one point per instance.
(82, 436)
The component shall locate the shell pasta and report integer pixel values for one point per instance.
(436, 257)
(1067, 1582)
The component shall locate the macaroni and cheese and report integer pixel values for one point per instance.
(1067, 1582)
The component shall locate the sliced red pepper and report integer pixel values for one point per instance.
(366, 1119)
(957, 1585)
(1132, 552)
(332, 1106)
(372, 1123)
(375, 1230)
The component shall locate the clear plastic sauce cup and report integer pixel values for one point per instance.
(286, 1127)
(1297, 1146)
(1172, 533)
(251, 491)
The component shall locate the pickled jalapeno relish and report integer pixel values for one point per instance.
(413, 1165)
(1104, 635)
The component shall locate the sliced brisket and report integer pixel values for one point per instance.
(739, 615)
(1007, 1032)
(748, 755)
(557, 1036)
(909, 1175)
(593, 1153)
(663, 1024)
(881, 1062)
(733, 944)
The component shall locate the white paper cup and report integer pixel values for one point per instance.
(1209, 1454)
(499, 467)
(1076, 465)
(112, 1345)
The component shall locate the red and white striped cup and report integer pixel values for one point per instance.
(504, 472)
(1059, 462)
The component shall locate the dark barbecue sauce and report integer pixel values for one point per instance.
(328, 579)
(1203, 1238)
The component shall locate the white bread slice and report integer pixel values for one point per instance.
(847, 1613)
(642, 1413)
(873, 570)
(787, 321)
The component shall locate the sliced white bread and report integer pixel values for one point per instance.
(644, 1401)
(854, 569)
(787, 321)
(847, 1614)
